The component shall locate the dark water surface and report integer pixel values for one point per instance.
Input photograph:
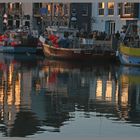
(42, 99)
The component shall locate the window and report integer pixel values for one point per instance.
(66, 9)
(36, 8)
(37, 5)
(85, 26)
(128, 8)
(119, 8)
(73, 12)
(56, 9)
(17, 6)
(85, 10)
(10, 6)
(49, 7)
(101, 8)
(27, 17)
(61, 9)
(110, 8)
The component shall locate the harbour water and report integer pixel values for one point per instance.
(55, 100)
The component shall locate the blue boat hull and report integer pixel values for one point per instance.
(10, 49)
(129, 60)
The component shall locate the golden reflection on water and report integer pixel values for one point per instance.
(10, 91)
(86, 87)
(99, 89)
(105, 88)
(109, 90)
(13, 84)
(102, 88)
(18, 90)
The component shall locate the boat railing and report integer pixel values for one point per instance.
(132, 43)
(131, 38)
(91, 43)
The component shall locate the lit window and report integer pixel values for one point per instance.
(10, 6)
(49, 9)
(110, 8)
(101, 8)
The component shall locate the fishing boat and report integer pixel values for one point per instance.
(18, 41)
(129, 49)
(77, 53)
(75, 48)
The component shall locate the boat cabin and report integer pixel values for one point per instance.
(59, 31)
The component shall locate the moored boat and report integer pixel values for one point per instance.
(77, 54)
(129, 49)
(18, 41)
(76, 48)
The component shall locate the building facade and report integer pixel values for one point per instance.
(14, 15)
(41, 15)
(112, 16)
(107, 17)
(50, 14)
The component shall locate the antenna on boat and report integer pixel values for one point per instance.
(126, 32)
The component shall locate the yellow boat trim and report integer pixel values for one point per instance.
(130, 79)
(130, 51)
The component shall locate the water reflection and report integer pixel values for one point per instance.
(40, 95)
(129, 94)
(15, 88)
